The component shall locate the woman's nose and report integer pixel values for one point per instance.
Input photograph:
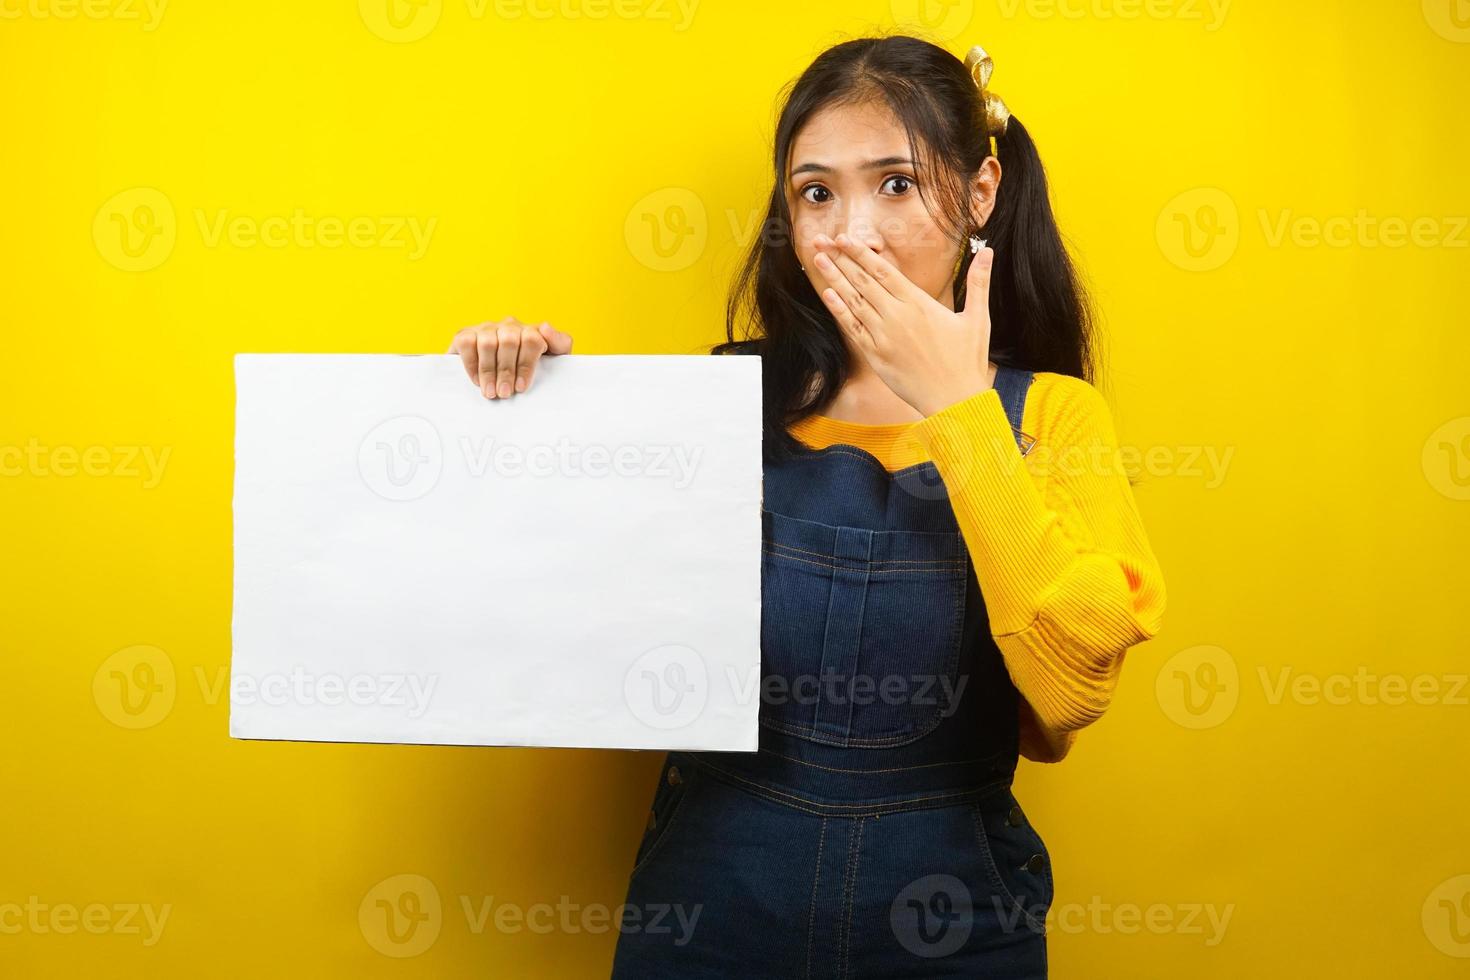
(863, 232)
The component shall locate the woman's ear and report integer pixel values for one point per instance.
(983, 188)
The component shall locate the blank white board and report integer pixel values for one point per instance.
(576, 565)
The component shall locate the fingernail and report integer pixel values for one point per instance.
(520, 384)
(504, 389)
(485, 390)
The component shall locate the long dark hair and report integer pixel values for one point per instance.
(1041, 318)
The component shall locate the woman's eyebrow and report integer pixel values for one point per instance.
(866, 165)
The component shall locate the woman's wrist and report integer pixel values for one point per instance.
(936, 401)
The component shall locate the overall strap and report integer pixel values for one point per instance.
(1011, 384)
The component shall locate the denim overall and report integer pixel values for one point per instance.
(874, 833)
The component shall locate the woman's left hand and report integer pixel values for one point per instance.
(927, 354)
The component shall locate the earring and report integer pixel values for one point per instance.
(976, 244)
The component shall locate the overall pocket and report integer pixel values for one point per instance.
(860, 630)
(1017, 861)
(674, 783)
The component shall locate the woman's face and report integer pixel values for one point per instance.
(851, 171)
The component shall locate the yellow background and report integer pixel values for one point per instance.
(601, 167)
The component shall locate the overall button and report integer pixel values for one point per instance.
(1014, 818)
(1035, 863)
(674, 777)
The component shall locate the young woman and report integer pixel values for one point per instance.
(953, 562)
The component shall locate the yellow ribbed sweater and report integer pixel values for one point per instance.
(1069, 580)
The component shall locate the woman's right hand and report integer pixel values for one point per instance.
(500, 357)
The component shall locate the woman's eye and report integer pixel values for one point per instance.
(806, 193)
(904, 183)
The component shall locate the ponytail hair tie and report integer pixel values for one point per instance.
(997, 115)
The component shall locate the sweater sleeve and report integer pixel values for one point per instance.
(1059, 549)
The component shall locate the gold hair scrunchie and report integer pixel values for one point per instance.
(996, 114)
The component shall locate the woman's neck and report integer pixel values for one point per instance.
(865, 400)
